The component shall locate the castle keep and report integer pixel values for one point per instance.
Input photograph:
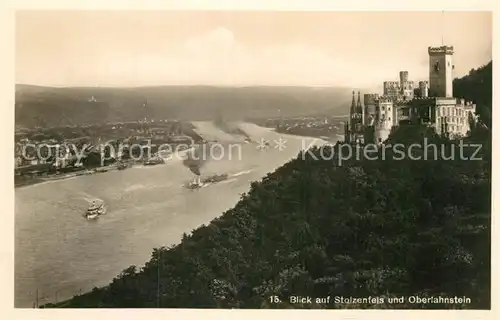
(403, 102)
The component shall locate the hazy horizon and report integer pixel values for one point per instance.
(241, 49)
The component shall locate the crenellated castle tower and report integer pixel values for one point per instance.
(441, 71)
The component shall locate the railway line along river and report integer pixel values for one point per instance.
(59, 254)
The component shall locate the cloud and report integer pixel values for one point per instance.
(218, 39)
(217, 58)
(157, 48)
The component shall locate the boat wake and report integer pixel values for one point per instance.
(228, 181)
(136, 187)
(241, 173)
(89, 198)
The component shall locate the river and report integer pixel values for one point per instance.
(58, 253)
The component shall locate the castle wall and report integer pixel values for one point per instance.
(381, 132)
(423, 87)
(453, 115)
(400, 89)
(369, 107)
(370, 98)
(407, 89)
(384, 119)
(384, 111)
(391, 88)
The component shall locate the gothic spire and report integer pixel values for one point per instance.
(353, 104)
(359, 107)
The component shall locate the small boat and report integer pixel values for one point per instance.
(122, 166)
(215, 178)
(95, 210)
(92, 216)
(196, 183)
(154, 161)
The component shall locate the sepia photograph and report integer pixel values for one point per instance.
(253, 159)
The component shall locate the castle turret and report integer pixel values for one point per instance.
(403, 77)
(384, 118)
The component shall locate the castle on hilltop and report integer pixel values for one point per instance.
(429, 103)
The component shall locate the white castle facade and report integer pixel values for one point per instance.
(403, 102)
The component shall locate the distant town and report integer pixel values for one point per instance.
(44, 153)
(50, 153)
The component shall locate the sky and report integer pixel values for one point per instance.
(141, 48)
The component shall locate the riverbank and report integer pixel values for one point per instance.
(325, 128)
(322, 138)
(20, 182)
(326, 136)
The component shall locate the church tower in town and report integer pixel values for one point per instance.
(354, 128)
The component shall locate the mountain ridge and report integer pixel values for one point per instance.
(53, 106)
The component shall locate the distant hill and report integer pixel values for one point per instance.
(48, 106)
(477, 86)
